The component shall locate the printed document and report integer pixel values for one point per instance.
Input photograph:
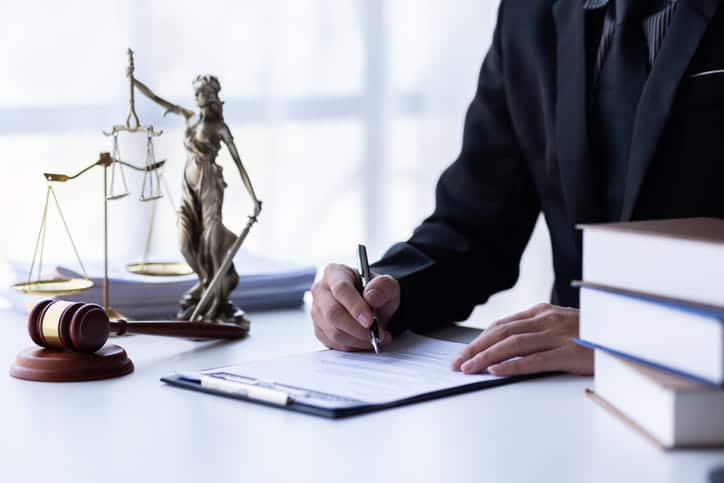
(410, 366)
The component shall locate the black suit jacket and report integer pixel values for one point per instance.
(526, 150)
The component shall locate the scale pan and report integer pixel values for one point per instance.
(160, 269)
(58, 286)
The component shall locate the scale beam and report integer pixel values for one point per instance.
(125, 128)
(103, 161)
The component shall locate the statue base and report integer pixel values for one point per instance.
(230, 315)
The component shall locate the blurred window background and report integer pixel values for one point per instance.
(345, 113)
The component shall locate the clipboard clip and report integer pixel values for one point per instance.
(251, 390)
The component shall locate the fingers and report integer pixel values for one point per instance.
(385, 336)
(569, 358)
(334, 337)
(339, 337)
(381, 290)
(550, 360)
(526, 314)
(343, 283)
(383, 293)
(331, 344)
(341, 315)
(536, 340)
(494, 335)
(514, 346)
(333, 315)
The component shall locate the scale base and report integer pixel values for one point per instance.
(49, 365)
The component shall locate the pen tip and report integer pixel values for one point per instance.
(374, 345)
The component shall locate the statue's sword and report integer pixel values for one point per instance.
(222, 268)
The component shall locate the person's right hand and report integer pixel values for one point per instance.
(342, 316)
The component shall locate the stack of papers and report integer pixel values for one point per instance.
(263, 284)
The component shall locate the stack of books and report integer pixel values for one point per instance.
(263, 284)
(652, 308)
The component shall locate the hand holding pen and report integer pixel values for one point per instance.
(343, 313)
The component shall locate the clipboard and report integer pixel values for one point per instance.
(302, 400)
(338, 413)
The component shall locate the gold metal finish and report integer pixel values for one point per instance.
(114, 315)
(50, 322)
(150, 191)
(160, 269)
(52, 287)
(35, 283)
(111, 192)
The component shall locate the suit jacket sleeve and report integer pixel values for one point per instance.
(486, 208)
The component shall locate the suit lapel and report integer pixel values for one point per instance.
(577, 179)
(687, 28)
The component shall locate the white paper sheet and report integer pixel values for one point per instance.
(412, 365)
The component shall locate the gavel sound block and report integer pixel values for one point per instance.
(72, 336)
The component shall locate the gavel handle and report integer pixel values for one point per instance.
(201, 330)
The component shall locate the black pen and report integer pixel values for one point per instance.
(364, 271)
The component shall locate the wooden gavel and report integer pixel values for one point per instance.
(81, 327)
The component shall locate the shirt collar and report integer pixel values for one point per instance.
(596, 4)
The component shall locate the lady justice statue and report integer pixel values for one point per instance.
(206, 244)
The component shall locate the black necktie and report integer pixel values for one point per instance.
(620, 82)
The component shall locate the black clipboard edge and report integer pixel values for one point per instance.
(340, 413)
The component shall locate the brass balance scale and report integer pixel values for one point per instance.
(114, 188)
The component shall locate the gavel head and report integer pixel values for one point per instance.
(73, 326)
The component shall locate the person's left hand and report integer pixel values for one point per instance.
(537, 340)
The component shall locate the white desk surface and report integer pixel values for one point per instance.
(137, 429)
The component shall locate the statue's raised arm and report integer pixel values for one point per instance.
(168, 106)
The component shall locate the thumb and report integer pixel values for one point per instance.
(383, 293)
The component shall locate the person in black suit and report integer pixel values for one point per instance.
(585, 110)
